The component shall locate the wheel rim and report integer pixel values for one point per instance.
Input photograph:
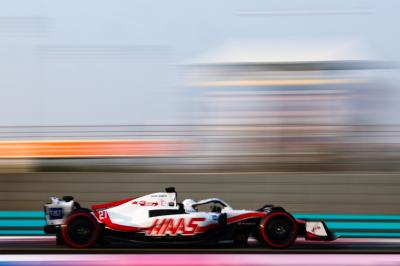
(81, 230)
(279, 229)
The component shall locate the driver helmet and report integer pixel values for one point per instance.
(188, 205)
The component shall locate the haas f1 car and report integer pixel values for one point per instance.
(159, 218)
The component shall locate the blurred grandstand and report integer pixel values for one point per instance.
(253, 107)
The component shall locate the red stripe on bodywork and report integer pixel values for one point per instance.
(107, 222)
(201, 229)
(110, 204)
(233, 219)
(123, 228)
(245, 216)
(311, 236)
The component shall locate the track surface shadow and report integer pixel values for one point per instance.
(47, 245)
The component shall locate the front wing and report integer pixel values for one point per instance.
(315, 230)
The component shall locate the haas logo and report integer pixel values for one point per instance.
(172, 227)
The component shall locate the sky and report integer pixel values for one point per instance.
(120, 62)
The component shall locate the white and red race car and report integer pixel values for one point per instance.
(159, 218)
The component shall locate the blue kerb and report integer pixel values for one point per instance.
(21, 232)
(21, 214)
(22, 223)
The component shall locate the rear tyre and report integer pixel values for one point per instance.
(278, 230)
(81, 230)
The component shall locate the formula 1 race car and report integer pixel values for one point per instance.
(159, 218)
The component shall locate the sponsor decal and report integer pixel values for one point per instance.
(172, 227)
(215, 217)
(158, 196)
(315, 228)
(163, 202)
(55, 213)
(145, 203)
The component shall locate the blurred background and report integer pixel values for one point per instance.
(293, 103)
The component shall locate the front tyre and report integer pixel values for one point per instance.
(81, 230)
(278, 230)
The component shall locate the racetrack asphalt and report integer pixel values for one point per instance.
(46, 245)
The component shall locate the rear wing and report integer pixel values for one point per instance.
(58, 209)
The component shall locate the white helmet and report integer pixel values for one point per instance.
(188, 205)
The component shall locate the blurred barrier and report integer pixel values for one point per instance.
(343, 225)
(88, 148)
(200, 148)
